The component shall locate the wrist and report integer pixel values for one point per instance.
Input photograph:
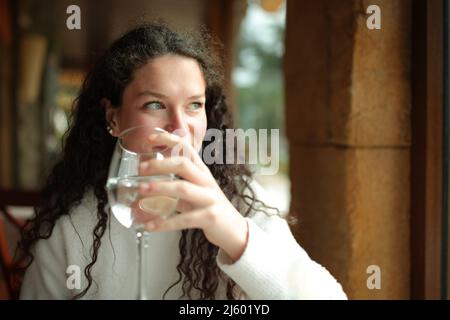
(238, 241)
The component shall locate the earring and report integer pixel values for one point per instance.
(109, 129)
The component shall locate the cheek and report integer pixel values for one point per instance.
(133, 117)
(199, 128)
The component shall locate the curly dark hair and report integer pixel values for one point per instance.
(88, 148)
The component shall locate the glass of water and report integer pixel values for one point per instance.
(123, 189)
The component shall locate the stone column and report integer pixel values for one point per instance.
(348, 123)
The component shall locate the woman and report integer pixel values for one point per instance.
(224, 244)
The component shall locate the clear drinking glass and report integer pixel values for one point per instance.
(124, 196)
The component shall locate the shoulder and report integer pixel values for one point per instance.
(72, 232)
(80, 220)
(67, 245)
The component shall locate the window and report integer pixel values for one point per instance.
(258, 79)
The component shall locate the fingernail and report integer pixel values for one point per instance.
(179, 132)
(143, 165)
(145, 186)
(152, 136)
(150, 225)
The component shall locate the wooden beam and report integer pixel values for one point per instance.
(426, 150)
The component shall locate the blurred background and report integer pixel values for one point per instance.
(362, 113)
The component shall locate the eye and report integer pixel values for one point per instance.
(154, 105)
(194, 106)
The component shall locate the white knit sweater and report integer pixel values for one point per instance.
(273, 265)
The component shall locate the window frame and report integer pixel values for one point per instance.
(428, 174)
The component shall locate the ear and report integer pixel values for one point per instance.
(111, 116)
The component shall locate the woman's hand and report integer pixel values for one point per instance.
(202, 203)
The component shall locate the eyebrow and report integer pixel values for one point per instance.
(162, 96)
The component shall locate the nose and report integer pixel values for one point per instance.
(177, 123)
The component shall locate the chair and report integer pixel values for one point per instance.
(10, 227)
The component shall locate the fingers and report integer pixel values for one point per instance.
(188, 220)
(187, 191)
(178, 147)
(140, 215)
(175, 165)
(183, 206)
(165, 138)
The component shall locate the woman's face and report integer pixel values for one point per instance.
(168, 92)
